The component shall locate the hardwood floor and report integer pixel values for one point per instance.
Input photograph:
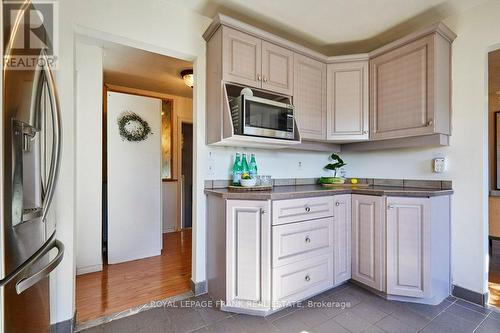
(494, 275)
(123, 286)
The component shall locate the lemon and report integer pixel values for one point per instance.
(354, 181)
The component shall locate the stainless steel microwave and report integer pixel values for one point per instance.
(258, 116)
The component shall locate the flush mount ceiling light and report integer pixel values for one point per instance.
(187, 76)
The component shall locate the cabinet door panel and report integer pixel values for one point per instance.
(347, 101)
(277, 68)
(309, 97)
(248, 257)
(408, 247)
(367, 241)
(342, 238)
(402, 91)
(242, 55)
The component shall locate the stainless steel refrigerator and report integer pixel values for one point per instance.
(31, 134)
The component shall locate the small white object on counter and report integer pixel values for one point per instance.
(248, 182)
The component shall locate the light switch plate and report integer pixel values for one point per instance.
(439, 165)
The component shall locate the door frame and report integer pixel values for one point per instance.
(180, 212)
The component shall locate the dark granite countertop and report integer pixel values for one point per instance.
(304, 191)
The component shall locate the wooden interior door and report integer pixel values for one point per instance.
(408, 247)
(242, 58)
(402, 85)
(347, 101)
(367, 240)
(277, 68)
(248, 239)
(309, 97)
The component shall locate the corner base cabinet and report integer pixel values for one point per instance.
(263, 255)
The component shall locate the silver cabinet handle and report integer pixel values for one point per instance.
(308, 209)
(308, 240)
(337, 203)
(308, 278)
(430, 123)
(390, 206)
(365, 132)
(56, 125)
(259, 78)
(29, 281)
(262, 211)
(265, 78)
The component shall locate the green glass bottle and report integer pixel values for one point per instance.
(237, 170)
(244, 165)
(253, 166)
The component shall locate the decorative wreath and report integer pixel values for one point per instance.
(133, 127)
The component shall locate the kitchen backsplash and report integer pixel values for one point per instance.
(433, 184)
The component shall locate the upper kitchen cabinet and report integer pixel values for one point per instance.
(309, 97)
(347, 100)
(277, 69)
(256, 63)
(410, 83)
(241, 58)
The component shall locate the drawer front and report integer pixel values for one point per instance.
(295, 210)
(300, 280)
(298, 241)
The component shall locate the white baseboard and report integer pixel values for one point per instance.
(88, 269)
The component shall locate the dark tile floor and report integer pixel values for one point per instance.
(364, 312)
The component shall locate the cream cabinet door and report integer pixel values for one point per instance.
(248, 243)
(309, 97)
(277, 69)
(402, 85)
(342, 238)
(242, 54)
(408, 247)
(347, 101)
(367, 240)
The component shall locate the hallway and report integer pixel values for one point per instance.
(123, 286)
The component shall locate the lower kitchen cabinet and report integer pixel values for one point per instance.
(342, 238)
(367, 248)
(263, 255)
(248, 242)
(418, 248)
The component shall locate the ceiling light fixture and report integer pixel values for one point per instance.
(188, 77)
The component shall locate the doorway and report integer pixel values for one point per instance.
(130, 269)
(187, 174)
(494, 177)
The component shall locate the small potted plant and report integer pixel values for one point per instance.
(336, 164)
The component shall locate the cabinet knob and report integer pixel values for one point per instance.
(308, 209)
(430, 123)
(308, 240)
(390, 206)
(262, 211)
(259, 78)
(337, 203)
(308, 278)
(365, 132)
(265, 78)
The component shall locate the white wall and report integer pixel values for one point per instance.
(164, 28)
(88, 215)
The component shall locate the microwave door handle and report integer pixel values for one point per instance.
(56, 126)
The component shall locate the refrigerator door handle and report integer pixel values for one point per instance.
(29, 281)
(56, 122)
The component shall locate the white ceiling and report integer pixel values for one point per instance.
(131, 67)
(334, 26)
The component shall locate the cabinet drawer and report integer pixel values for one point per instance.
(302, 279)
(294, 210)
(298, 241)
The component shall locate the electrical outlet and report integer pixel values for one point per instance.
(300, 165)
(211, 169)
(439, 165)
